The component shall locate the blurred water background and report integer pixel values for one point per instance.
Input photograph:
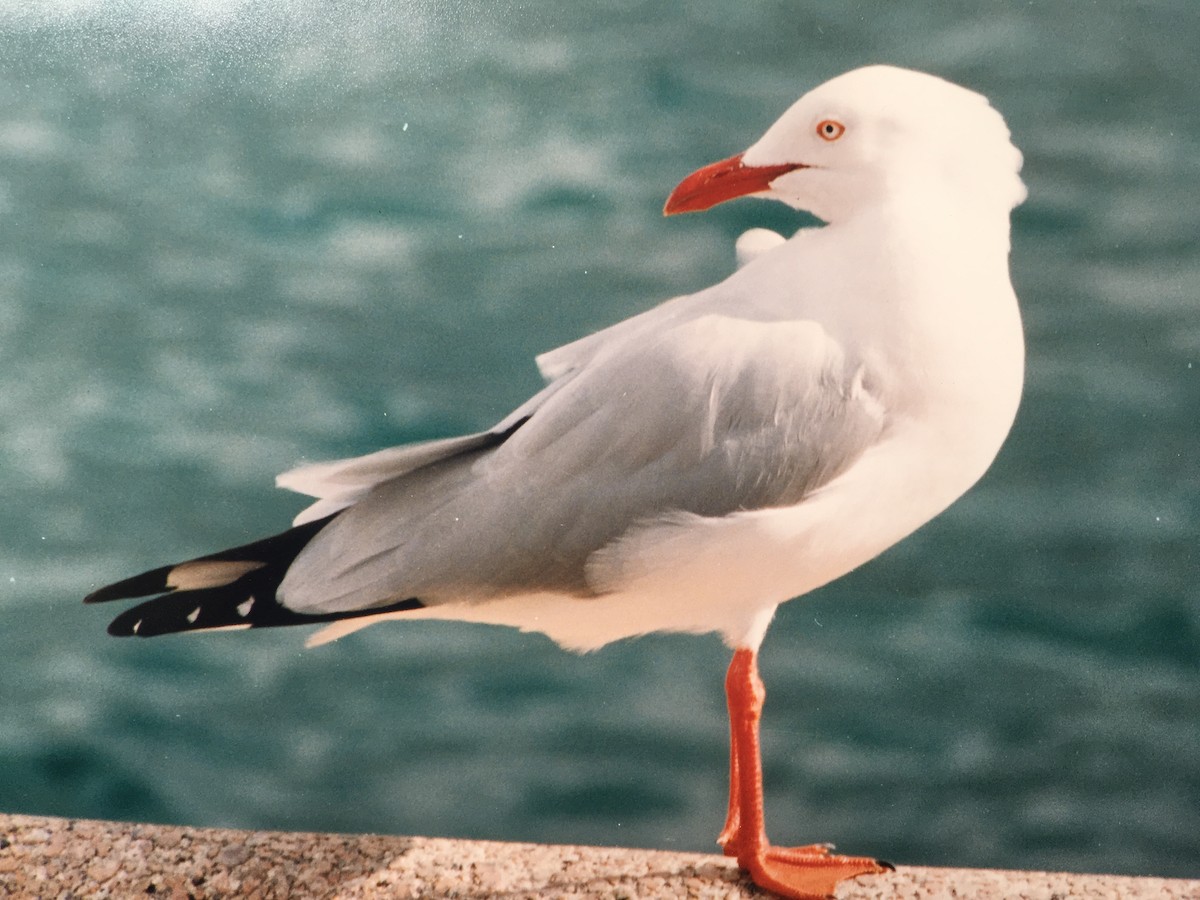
(235, 236)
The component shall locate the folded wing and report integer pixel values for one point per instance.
(704, 417)
(709, 417)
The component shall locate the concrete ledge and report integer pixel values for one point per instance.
(43, 857)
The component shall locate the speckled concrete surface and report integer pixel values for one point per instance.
(70, 859)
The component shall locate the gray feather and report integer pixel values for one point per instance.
(733, 415)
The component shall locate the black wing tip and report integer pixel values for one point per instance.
(152, 582)
(125, 625)
(222, 609)
(161, 615)
(285, 545)
(246, 601)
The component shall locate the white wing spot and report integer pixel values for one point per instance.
(194, 615)
(244, 608)
(137, 626)
(199, 573)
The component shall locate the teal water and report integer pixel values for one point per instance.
(235, 236)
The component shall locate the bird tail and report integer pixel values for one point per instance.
(235, 588)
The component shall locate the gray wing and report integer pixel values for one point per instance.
(709, 416)
(344, 482)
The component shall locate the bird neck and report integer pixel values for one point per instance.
(973, 222)
(944, 321)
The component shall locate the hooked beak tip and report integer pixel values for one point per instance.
(721, 181)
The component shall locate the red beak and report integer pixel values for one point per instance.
(723, 181)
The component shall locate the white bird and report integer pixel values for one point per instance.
(693, 467)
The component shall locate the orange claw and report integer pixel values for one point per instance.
(800, 873)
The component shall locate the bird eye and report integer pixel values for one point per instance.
(830, 129)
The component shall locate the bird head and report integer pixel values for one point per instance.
(874, 136)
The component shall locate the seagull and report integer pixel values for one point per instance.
(693, 467)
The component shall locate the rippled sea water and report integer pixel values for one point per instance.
(236, 236)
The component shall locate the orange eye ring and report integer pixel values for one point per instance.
(830, 129)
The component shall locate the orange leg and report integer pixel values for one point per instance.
(732, 818)
(801, 873)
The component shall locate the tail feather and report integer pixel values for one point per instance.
(232, 589)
